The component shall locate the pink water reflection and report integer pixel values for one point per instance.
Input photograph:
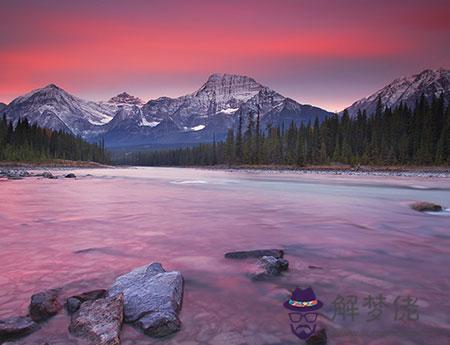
(82, 233)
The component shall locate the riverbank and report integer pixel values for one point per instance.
(54, 163)
(405, 171)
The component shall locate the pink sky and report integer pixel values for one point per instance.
(326, 53)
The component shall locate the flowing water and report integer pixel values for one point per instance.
(343, 236)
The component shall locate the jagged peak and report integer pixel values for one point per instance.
(224, 77)
(226, 86)
(52, 86)
(126, 98)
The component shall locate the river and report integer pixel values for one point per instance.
(344, 236)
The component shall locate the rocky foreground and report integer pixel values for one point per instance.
(19, 174)
(148, 297)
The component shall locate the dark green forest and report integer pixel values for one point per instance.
(400, 136)
(30, 143)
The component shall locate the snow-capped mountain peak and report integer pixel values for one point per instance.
(224, 87)
(51, 106)
(430, 82)
(193, 118)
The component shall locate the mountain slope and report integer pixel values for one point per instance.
(407, 90)
(54, 108)
(194, 118)
(211, 110)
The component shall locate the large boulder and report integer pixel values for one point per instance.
(153, 298)
(256, 254)
(423, 206)
(44, 305)
(74, 302)
(15, 327)
(99, 321)
(70, 175)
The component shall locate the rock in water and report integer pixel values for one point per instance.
(44, 305)
(74, 302)
(318, 338)
(153, 298)
(48, 174)
(271, 266)
(423, 206)
(14, 327)
(14, 174)
(274, 266)
(99, 321)
(259, 253)
(70, 175)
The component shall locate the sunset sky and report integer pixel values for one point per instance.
(326, 53)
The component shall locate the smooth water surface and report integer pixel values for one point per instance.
(358, 233)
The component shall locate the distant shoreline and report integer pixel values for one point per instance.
(56, 163)
(413, 171)
(335, 170)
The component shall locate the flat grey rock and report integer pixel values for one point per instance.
(153, 298)
(99, 321)
(15, 327)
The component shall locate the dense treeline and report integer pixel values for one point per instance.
(25, 142)
(387, 137)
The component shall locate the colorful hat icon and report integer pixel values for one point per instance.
(303, 301)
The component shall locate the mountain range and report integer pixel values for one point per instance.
(407, 90)
(208, 112)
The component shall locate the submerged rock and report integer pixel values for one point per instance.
(153, 298)
(259, 253)
(318, 338)
(15, 327)
(44, 305)
(271, 267)
(313, 267)
(70, 175)
(74, 302)
(423, 206)
(48, 174)
(99, 321)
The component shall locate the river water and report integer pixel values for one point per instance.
(344, 236)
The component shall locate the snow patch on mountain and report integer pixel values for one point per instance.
(195, 128)
(228, 111)
(146, 123)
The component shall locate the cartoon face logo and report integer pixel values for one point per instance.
(302, 307)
